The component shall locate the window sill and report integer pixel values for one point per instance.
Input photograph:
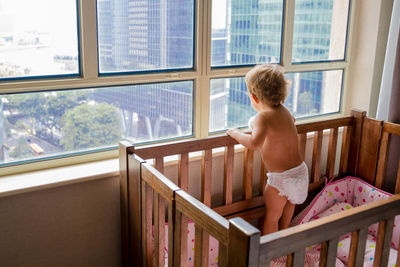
(50, 178)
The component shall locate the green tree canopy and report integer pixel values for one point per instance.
(90, 126)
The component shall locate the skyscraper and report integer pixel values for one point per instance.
(137, 35)
(255, 34)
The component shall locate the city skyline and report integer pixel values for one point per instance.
(149, 35)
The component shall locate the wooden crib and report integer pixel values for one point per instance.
(149, 199)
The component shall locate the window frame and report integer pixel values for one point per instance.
(201, 74)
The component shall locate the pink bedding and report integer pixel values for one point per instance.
(338, 196)
(335, 197)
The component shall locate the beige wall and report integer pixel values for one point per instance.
(368, 47)
(69, 225)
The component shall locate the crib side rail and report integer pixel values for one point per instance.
(249, 201)
(390, 133)
(327, 230)
(207, 223)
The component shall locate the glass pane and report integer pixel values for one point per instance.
(36, 39)
(137, 35)
(44, 124)
(310, 93)
(229, 104)
(314, 93)
(320, 28)
(246, 32)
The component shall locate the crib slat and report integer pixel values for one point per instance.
(302, 141)
(332, 251)
(198, 248)
(298, 258)
(222, 255)
(382, 160)
(171, 227)
(228, 173)
(147, 223)
(344, 153)
(316, 159)
(328, 252)
(160, 164)
(183, 171)
(180, 239)
(330, 165)
(206, 166)
(397, 190)
(357, 247)
(383, 242)
(205, 248)
(398, 254)
(156, 230)
(143, 218)
(248, 173)
(201, 241)
(159, 229)
(289, 260)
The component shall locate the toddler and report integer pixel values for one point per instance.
(274, 134)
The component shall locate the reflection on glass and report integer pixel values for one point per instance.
(137, 35)
(229, 104)
(246, 32)
(315, 92)
(320, 28)
(310, 93)
(60, 122)
(36, 39)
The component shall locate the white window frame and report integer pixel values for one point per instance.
(201, 74)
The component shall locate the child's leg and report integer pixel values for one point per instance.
(287, 215)
(274, 204)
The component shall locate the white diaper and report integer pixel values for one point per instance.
(251, 122)
(292, 183)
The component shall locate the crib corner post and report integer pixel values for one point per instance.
(125, 148)
(244, 244)
(354, 150)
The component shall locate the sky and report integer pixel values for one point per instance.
(219, 14)
(57, 17)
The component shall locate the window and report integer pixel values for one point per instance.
(43, 124)
(145, 35)
(37, 41)
(319, 34)
(144, 71)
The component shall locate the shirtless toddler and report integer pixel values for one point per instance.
(274, 134)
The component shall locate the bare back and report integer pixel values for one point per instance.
(280, 149)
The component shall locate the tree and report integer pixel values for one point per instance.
(22, 150)
(90, 126)
(57, 105)
(306, 104)
(31, 105)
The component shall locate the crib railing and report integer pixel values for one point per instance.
(207, 222)
(248, 248)
(140, 196)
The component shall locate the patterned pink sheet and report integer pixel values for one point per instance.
(335, 197)
(338, 196)
(212, 253)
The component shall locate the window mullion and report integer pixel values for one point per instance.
(88, 39)
(287, 34)
(203, 56)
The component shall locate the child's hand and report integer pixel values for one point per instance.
(231, 132)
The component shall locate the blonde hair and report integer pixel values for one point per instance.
(267, 83)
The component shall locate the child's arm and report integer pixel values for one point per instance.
(256, 139)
